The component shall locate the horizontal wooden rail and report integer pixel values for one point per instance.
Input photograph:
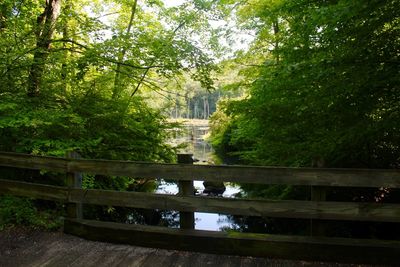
(260, 245)
(295, 247)
(249, 207)
(40, 191)
(239, 174)
(263, 208)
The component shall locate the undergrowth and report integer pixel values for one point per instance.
(17, 211)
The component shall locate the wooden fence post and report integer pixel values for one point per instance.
(318, 193)
(186, 188)
(74, 180)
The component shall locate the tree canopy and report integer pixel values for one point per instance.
(326, 88)
(72, 73)
(76, 76)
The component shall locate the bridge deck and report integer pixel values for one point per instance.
(37, 248)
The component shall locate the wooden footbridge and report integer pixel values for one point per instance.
(314, 247)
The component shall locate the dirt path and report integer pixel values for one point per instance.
(21, 247)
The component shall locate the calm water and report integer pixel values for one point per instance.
(194, 137)
(203, 221)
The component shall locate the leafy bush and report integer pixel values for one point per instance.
(93, 125)
(23, 211)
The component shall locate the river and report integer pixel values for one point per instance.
(194, 135)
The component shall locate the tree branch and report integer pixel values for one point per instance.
(69, 41)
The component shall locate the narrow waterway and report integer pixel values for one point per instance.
(193, 136)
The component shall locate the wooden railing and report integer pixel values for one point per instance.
(293, 247)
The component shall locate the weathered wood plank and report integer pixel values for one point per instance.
(74, 180)
(265, 208)
(39, 191)
(244, 174)
(186, 219)
(288, 247)
(26, 161)
(241, 174)
(318, 193)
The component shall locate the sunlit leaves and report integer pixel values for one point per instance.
(327, 86)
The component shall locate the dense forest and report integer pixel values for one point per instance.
(82, 76)
(324, 86)
(285, 83)
(322, 90)
(74, 74)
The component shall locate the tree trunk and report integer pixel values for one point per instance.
(45, 29)
(64, 69)
(188, 107)
(276, 45)
(117, 83)
(195, 111)
(4, 10)
(207, 109)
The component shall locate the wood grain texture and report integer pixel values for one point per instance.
(186, 219)
(33, 162)
(74, 180)
(264, 208)
(260, 245)
(23, 189)
(43, 248)
(318, 193)
(240, 174)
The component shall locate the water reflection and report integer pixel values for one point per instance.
(203, 221)
(192, 136)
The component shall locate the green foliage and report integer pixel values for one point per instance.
(87, 98)
(95, 126)
(76, 84)
(329, 87)
(187, 98)
(324, 92)
(223, 128)
(23, 211)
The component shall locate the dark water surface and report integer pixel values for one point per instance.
(194, 136)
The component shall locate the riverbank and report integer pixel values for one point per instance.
(190, 122)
